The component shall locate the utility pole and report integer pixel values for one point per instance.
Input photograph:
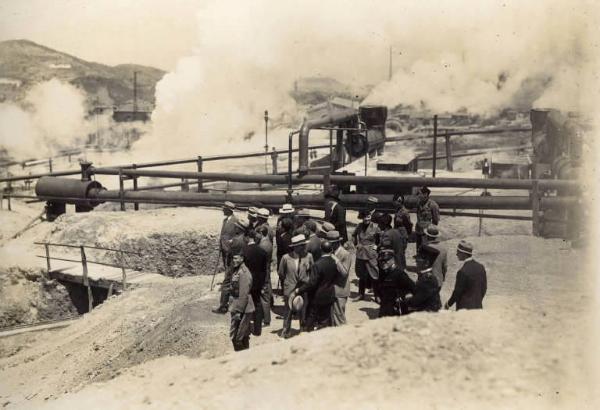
(266, 141)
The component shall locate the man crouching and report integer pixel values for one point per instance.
(242, 307)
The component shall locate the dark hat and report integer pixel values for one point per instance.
(333, 236)
(384, 251)
(298, 240)
(399, 198)
(385, 219)
(333, 192)
(432, 231)
(425, 190)
(326, 246)
(311, 225)
(229, 205)
(465, 247)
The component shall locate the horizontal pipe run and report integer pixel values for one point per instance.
(491, 183)
(488, 216)
(456, 133)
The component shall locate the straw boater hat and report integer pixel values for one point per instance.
(465, 247)
(229, 205)
(263, 213)
(286, 209)
(432, 231)
(303, 213)
(333, 236)
(298, 240)
(327, 226)
(252, 211)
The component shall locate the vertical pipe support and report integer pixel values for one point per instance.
(86, 281)
(199, 164)
(123, 273)
(47, 249)
(274, 155)
(50, 164)
(136, 205)
(121, 190)
(535, 208)
(435, 124)
(449, 165)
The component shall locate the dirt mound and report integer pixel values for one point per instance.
(26, 297)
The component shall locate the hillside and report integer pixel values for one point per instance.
(24, 63)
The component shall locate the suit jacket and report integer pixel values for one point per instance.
(440, 264)
(402, 218)
(322, 281)
(314, 247)
(398, 243)
(470, 286)
(343, 263)
(255, 258)
(241, 283)
(227, 232)
(336, 214)
(426, 294)
(294, 271)
(366, 239)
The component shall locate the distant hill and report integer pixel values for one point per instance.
(24, 63)
(315, 90)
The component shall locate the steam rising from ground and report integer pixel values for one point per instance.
(479, 55)
(53, 118)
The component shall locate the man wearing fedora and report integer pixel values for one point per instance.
(262, 219)
(366, 238)
(314, 242)
(294, 270)
(242, 307)
(228, 230)
(252, 216)
(321, 287)
(440, 263)
(335, 212)
(284, 230)
(428, 212)
(471, 280)
(342, 283)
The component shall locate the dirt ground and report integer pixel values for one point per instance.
(530, 347)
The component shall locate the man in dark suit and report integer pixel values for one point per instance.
(256, 260)
(336, 213)
(471, 281)
(322, 283)
(314, 242)
(426, 293)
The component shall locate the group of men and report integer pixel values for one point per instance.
(313, 262)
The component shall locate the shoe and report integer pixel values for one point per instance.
(266, 324)
(220, 310)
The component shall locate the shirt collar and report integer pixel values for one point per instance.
(470, 258)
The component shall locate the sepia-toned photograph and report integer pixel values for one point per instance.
(358, 204)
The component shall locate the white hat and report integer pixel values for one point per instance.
(286, 209)
(298, 240)
(263, 213)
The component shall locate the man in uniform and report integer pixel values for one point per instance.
(426, 294)
(255, 259)
(342, 283)
(428, 212)
(266, 295)
(335, 212)
(242, 307)
(394, 283)
(471, 281)
(402, 216)
(392, 238)
(228, 229)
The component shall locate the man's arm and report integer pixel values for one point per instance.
(484, 286)
(459, 288)
(245, 283)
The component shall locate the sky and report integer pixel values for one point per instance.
(148, 32)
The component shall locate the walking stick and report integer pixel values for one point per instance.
(215, 270)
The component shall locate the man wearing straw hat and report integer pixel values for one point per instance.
(252, 216)
(342, 283)
(471, 280)
(283, 232)
(228, 230)
(294, 270)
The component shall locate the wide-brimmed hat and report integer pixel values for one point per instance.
(298, 240)
(242, 224)
(465, 247)
(303, 213)
(229, 205)
(327, 227)
(333, 236)
(253, 211)
(286, 209)
(432, 231)
(296, 303)
(263, 213)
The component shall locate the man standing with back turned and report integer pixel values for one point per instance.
(471, 281)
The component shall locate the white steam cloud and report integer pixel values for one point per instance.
(53, 118)
(482, 56)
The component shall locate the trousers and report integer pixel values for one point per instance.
(338, 311)
(266, 295)
(239, 332)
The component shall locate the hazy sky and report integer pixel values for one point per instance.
(151, 32)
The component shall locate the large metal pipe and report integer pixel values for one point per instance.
(393, 182)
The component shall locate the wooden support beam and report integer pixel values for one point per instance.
(535, 208)
(449, 165)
